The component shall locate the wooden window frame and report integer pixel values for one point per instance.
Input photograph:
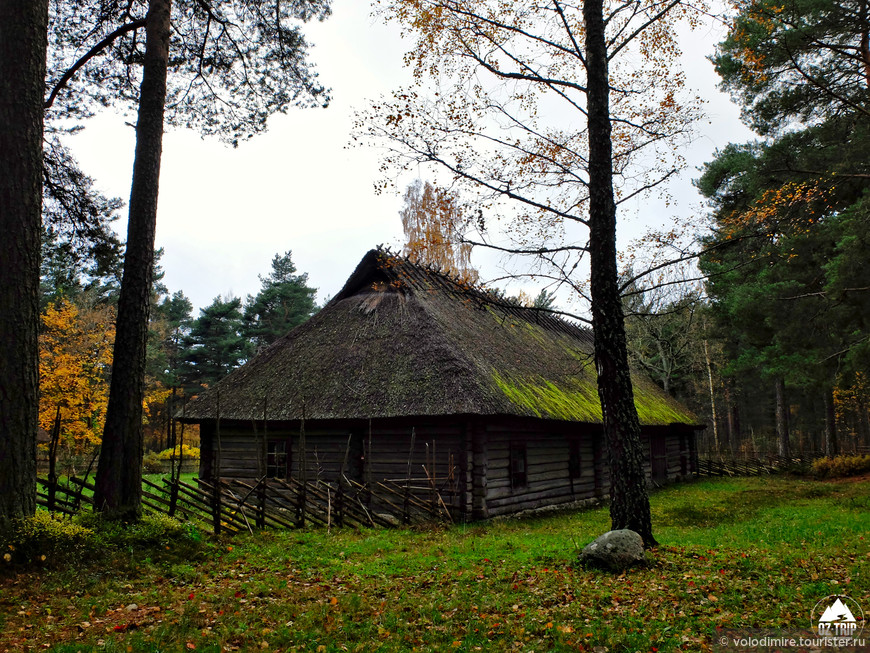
(519, 465)
(277, 459)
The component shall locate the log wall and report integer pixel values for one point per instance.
(548, 480)
(385, 455)
(470, 458)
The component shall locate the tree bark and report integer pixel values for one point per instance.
(629, 501)
(733, 417)
(782, 434)
(23, 43)
(715, 417)
(119, 474)
(831, 448)
(864, 420)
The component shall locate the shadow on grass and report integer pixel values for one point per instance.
(719, 503)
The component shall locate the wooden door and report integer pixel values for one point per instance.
(658, 453)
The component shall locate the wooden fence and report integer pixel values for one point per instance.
(232, 505)
(755, 465)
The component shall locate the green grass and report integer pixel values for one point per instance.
(734, 553)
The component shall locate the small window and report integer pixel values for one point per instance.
(574, 468)
(276, 459)
(519, 477)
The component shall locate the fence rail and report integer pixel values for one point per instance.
(756, 464)
(234, 505)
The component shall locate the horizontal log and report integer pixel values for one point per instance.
(82, 483)
(566, 501)
(203, 502)
(537, 496)
(44, 502)
(190, 514)
(531, 502)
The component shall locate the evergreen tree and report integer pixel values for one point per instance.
(169, 327)
(544, 299)
(22, 76)
(284, 302)
(80, 249)
(788, 211)
(216, 344)
(220, 66)
(803, 61)
(174, 312)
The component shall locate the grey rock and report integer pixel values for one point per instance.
(615, 550)
(387, 517)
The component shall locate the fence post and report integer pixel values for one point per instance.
(368, 469)
(303, 490)
(52, 461)
(216, 481)
(406, 515)
(263, 486)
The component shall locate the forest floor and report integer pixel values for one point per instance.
(741, 553)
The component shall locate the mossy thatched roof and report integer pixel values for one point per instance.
(402, 340)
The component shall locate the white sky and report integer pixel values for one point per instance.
(224, 213)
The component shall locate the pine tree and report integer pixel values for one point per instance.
(284, 302)
(22, 76)
(216, 344)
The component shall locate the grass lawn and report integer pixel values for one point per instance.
(738, 553)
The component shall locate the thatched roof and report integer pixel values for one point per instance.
(404, 340)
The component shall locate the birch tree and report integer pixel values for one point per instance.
(565, 111)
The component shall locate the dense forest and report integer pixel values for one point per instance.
(774, 348)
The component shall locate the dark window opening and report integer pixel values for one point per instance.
(276, 459)
(519, 476)
(574, 469)
(355, 458)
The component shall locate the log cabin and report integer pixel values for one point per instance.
(409, 373)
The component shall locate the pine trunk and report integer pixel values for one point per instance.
(23, 42)
(629, 501)
(831, 448)
(119, 474)
(734, 435)
(782, 435)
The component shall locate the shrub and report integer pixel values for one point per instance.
(46, 538)
(151, 463)
(841, 466)
(187, 453)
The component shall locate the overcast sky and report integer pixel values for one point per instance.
(224, 213)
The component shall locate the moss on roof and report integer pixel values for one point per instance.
(403, 340)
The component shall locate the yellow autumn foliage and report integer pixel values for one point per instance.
(433, 227)
(75, 358)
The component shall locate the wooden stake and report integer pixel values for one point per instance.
(406, 517)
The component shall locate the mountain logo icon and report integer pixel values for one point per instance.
(835, 616)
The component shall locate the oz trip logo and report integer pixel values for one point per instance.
(838, 616)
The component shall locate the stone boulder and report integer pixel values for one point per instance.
(615, 550)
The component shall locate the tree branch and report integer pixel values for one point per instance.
(93, 52)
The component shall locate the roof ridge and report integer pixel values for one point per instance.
(487, 296)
